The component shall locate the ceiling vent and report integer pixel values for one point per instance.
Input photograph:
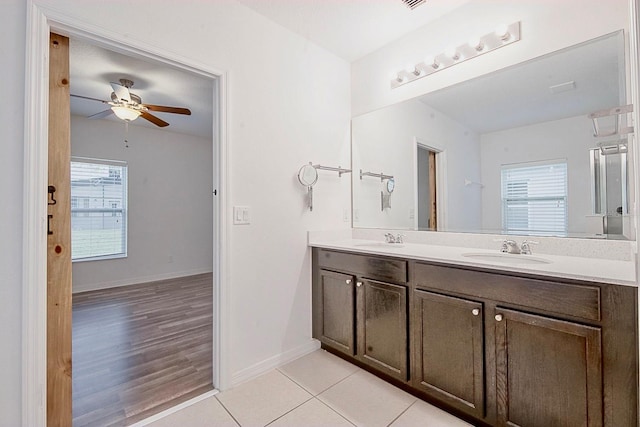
(412, 4)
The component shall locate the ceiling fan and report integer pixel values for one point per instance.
(128, 106)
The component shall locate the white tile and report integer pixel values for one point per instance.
(262, 400)
(318, 371)
(311, 414)
(423, 414)
(366, 400)
(206, 413)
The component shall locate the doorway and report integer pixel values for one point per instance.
(35, 207)
(141, 227)
(427, 185)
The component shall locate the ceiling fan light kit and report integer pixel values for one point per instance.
(125, 113)
(128, 106)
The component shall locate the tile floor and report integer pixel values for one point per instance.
(319, 389)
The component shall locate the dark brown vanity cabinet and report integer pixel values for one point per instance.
(448, 350)
(336, 303)
(548, 371)
(359, 313)
(556, 352)
(496, 348)
(382, 326)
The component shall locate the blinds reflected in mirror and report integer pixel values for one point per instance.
(534, 198)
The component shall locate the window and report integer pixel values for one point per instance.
(99, 222)
(534, 198)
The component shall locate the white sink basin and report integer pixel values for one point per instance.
(506, 258)
(380, 245)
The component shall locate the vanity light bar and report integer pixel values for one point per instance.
(502, 36)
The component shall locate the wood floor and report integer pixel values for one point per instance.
(140, 349)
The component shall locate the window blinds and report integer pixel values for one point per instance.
(534, 198)
(98, 209)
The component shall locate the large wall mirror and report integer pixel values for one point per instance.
(509, 152)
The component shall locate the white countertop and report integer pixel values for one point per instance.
(588, 269)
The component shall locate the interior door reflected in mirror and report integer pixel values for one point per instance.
(427, 205)
(509, 152)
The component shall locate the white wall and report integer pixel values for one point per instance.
(568, 139)
(383, 141)
(288, 104)
(546, 27)
(170, 208)
(12, 27)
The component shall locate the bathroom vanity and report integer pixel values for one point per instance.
(494, 344)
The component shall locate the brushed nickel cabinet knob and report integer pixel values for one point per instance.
(475, 311)
(348, 281)
(358, 284)
(499, 317)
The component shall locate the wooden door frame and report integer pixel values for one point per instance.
(41, 21)
(441, 180)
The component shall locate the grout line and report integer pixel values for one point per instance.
(325, 404)
(228, 412)
(290, 410)
(343, 379)
(325, 389)
(300, 385)
(401, 413)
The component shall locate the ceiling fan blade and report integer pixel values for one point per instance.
(153, 119)
(165, 109)
(89, 98)
(101, 114)
(121, 92)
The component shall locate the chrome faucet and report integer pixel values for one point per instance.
(390, 238)
(525, 248)
(510, 246)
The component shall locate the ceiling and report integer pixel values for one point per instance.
(351, 29)
(348, 28)
(92, 68)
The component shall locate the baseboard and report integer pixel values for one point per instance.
(273, 362)
(138, 280)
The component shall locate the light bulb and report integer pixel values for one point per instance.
(452, 53)
(412, 69)
(395, 76)
(476, 43)
(503, 32)
(431, 62)
(125, 113)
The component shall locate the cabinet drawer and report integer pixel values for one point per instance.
(580, 301)
(363, 265)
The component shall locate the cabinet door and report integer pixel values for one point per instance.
(382, 326)
(548, 371)
(337, 299)
(448, 350)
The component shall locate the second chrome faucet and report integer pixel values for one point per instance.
(390, 238)
(511, 247)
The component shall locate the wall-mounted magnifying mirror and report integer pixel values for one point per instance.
(391, 185)
(308, 176)
(385, 195)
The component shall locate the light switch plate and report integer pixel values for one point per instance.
(241, 215)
